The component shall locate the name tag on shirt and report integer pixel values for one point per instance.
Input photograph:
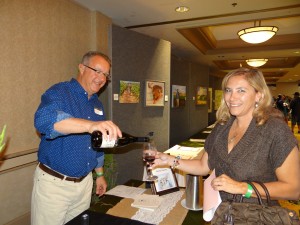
(98, 111)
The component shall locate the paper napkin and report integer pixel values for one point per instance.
(145, 201)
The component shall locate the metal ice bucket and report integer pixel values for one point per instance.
(194, 192)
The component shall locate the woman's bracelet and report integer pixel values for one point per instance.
(99, 174)
(176, 162)
(249, 191)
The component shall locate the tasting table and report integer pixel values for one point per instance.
(99, 212)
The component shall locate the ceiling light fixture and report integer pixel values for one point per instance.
(257, 34)
(256, 62)
(182, 9)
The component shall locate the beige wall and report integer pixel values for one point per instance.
(287, 89)
(42, 43)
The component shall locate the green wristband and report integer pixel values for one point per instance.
(99, 174)
(249, 192)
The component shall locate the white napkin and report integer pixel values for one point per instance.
(145, 201)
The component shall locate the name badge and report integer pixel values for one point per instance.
(98, 111)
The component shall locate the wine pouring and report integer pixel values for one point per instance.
(149, 152)
(98, 142)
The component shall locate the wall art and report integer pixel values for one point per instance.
(201, 96)
(178, 96)
(154, 93)
(218, 98)
(209, 100)
(129, 92)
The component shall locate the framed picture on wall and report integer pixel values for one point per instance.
(166, 182)
(209, 100)
(154, 93)
(178, 96)
(129, 92)
(218, 98)
(201, 96)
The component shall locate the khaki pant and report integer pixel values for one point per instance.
(55, 201)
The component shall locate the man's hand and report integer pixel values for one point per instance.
(107, 128)
(101, 186)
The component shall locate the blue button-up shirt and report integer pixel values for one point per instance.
(72, 154)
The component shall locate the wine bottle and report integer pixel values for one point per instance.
(98, 142)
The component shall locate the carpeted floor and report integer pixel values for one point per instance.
(297, 135)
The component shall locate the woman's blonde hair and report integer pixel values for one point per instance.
(263, 109)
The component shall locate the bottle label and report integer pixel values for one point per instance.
(108, 143)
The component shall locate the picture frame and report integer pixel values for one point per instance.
(178, 96)
(209, 100)
(154, 93)
(201, 96)
(129, 92)
(166, 182)
(218, 98)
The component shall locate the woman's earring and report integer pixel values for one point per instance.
(256, 104)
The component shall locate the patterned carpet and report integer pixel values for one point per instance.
(294, 205)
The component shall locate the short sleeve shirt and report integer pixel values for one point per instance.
(256, 156)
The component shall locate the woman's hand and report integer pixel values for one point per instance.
(162, 159)
(225, 183)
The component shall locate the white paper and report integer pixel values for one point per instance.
(184, 152)
(147, 201)
(206, 132)
(125, 191)
(211, 198)
(197, 140)
(211, 126)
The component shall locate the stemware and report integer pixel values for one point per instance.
(149, 152)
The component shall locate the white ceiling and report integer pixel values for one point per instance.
(158, 19)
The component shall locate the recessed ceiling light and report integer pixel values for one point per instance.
(182, 9)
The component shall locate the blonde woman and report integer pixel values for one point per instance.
(250, 141)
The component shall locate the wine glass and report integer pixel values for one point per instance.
(149, 153)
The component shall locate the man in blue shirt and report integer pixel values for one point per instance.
(68, 113)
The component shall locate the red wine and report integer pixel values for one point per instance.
(149, 158)
(98, 142)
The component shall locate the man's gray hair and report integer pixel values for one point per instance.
(86, 58)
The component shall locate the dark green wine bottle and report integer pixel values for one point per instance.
(98, 142)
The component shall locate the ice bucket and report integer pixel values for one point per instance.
(194, 192)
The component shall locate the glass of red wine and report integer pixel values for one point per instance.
(149, 153)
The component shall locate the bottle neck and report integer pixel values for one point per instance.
(135, 139)
(142, 139)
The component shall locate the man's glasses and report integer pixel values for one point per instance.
(107, 75)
